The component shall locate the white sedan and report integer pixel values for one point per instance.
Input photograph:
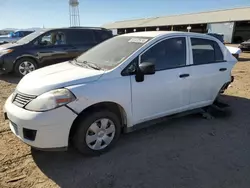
(120, 84)
(234, 51)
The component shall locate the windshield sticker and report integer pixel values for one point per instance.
(138, 40)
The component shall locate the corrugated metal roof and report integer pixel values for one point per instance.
(237, 14)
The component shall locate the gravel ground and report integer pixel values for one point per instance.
(185, 152)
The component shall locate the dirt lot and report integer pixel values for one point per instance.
(186, 152)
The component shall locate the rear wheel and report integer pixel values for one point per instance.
(97, 132)
(24, 66)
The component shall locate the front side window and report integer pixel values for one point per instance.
(170, 53)
(205, 51)
(54, 38)
(113, 52)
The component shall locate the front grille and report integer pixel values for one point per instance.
(22, 100)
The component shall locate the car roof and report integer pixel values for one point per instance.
(23, 30)
(74, 28)
(155, 34)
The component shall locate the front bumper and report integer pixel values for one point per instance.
(6, 63)
(1, 65)
(43, 130)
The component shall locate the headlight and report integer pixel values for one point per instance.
(51, 100)
(5, 51)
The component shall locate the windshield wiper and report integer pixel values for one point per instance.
(75, 62)
(92, 65)
(85, 64)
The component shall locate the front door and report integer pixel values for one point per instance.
(168, 90)
(52, 48)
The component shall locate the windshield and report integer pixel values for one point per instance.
(30, 37)
(112, 52)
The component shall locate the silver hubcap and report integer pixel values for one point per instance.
(100, 134)
(26, 67)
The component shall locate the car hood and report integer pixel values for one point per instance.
(4, 36)
(9, 45)
(56, 76)
(8, 39)
(234, 50)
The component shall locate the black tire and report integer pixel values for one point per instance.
(79, 138)
(22, 60)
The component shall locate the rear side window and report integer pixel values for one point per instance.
(81, 36)
(102, 35)
(206, 51)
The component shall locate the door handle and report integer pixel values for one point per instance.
(223, 69)
(184, 75)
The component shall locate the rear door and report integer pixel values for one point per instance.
(209, 71)
(80, 41)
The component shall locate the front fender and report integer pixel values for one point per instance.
(27, 56)
(111, 90)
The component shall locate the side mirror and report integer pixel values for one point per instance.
(147, 68)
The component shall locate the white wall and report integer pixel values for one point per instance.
(114, 31)
(225, 28)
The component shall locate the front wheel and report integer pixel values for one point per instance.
(97, 132)
(24, 66)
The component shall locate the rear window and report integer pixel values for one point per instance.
(83, 36)
(206, 51)
(102, 35)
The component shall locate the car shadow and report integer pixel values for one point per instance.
(10, 78)
(184, 152)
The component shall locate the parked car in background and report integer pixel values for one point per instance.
(245, 46)
(49, 46)
(118, 85)
(234, 50)
(14, 36)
